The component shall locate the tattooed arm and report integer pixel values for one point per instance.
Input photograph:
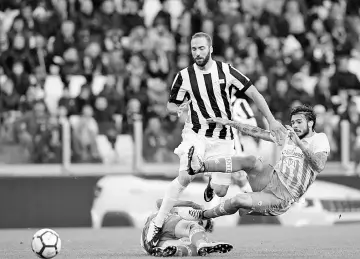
(246, 129)
(316, 160)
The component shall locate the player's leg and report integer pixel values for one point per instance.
(198, 238)
(172, 194)
(177, 186)
(259, 174)
(227, 164)
(220, 183)
(182, 248)
(175, 228)
(241, 179)
(258, 202)
(216, 148)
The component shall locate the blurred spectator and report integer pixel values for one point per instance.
(343, 79)
(93, 62)
(297, 91)
(131, 17)
(111, 115)
(19, 51)
(29, 131)
(322, 95)
(66, 103)
(46, 21)
(133, 112)
(279, 101)
(9, 97)
(296, 20)
(135, 87)
(85, 132)
(279, 25)
(19, 27)
(107, 16)
(154, 142)
(65, 38)
(71, 63)
(103, 114)
(86, 19)
(9, 106)
(164, 16)
(113, 156)
(20, 78)
(352, 115)
(85, 97)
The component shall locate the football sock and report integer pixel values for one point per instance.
(185, 250)
(229, 164)
(224, 208)
(198, 236)
(171, 196)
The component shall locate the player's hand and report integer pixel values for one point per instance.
(292, 134)
(278, 131)
(183, 107)
(218, 120)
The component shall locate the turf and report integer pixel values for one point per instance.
(251, 241)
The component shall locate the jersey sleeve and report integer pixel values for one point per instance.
(178, 91)
(321, 144)
(239, 80)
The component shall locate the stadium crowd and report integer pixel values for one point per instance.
(102, 64)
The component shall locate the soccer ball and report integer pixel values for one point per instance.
(46, 243)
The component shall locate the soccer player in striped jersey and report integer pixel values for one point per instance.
(204, 87)
(303, 156)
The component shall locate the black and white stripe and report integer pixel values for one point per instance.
(210, 94)
(241, 110)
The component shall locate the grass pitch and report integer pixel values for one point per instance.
(251, 241)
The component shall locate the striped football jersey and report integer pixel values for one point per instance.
(210, 93)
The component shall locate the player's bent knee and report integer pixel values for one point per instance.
(195, 228)
(256, 165)
(220, 190)
(252, 160)
(242, 201)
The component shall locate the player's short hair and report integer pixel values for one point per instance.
(307, 111)
(203, 35)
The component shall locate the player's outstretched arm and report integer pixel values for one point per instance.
(181, 203)
(252, 131)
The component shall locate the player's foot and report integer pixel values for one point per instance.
(214, 247)
(197, 215)
(194, 162)
(164, 252)
(153, 235)
(209, 192)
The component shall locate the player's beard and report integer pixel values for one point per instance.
(204, 61)
(303, 134)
